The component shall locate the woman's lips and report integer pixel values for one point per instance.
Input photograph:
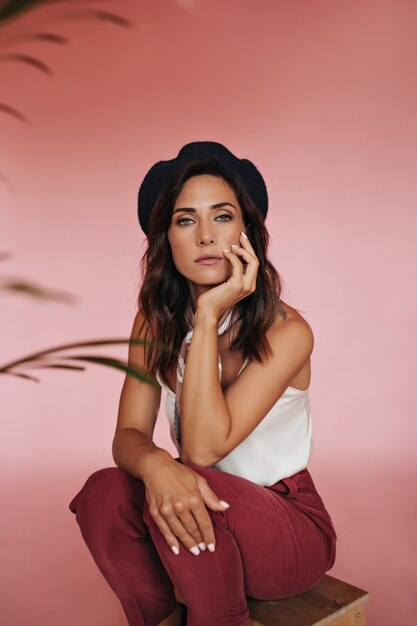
(209, 261)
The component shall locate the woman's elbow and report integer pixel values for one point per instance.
(200, 458)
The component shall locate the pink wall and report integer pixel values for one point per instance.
(322, 97)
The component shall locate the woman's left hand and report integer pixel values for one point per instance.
(241, 283)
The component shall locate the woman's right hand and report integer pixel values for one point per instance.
(177, 498)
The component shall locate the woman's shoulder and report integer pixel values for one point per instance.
(141, 326)
(288, 321)
(140, 331)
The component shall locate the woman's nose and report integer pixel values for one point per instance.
(206, 234)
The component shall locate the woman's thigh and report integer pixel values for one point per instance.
(284, 552)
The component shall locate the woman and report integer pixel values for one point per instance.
(237, 513)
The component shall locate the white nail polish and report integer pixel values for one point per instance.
(175, 550)
(202, 546)
(234, 245)
(224, 504)
(226, 250)
(244, 234)
(195, 550)
(211, 547)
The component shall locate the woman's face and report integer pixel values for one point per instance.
(206, 218)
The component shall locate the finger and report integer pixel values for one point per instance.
(205, 526)
(166, 531)
(245, 254)
(244, 240)
(239, 252)
(210, 498)
(244, 276)
(237, 268)
(246, 245)
(181, 523)
(182, 534)
(251, 268)
(213, 502)
(185, 513)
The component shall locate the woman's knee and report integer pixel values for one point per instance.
(108, 488)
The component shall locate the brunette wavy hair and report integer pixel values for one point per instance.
(164, 297)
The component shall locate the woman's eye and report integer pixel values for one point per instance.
(225, 215)
(183, 220)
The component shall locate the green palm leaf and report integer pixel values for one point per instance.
(27, 376)
(6, 108)
(11, 10)
(117, 364)
(49, 37)
(62, 366)
(100, 360)
(28, 60)
(36, 291)
(42, 359)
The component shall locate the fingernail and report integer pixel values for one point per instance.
(175, 550)
(202, 546)
(244, 234)
(195, 550)
(211, 547)
(225, 504)
(234, 245)
(225, 250)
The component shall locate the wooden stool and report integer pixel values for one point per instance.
(331, 602)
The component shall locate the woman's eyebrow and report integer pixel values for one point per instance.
(218, 205)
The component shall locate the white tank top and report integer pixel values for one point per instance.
(278, 447)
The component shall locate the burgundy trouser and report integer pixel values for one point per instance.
(272, 542)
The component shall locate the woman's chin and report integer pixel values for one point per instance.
(208, 279)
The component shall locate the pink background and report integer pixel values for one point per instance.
(322, 97)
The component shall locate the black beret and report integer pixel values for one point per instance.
(160, 173)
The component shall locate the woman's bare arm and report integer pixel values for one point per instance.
(214, 422)
(177, 495)
(133, 448)
(227, 417)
